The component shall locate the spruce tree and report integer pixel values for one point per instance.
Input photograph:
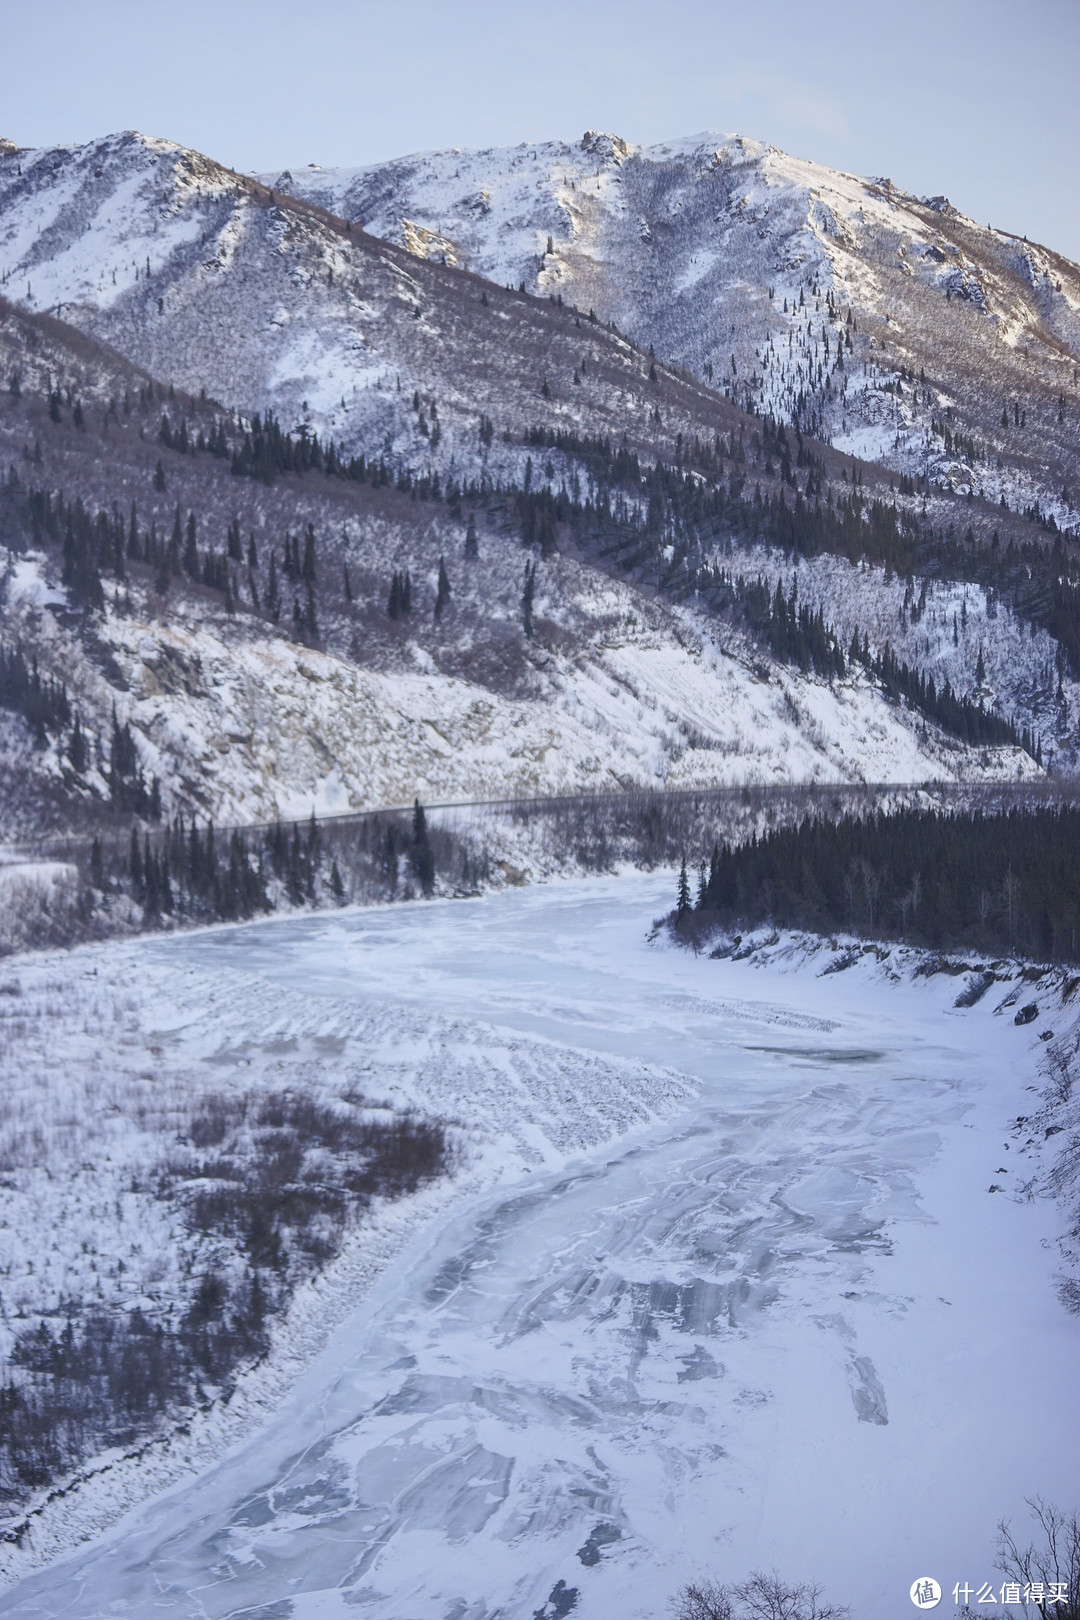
(273, 595)
(77, 751)
(442, 595)
(423, 860)
(527, 596)
(682, 899)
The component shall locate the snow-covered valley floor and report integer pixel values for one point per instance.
(732, 1295)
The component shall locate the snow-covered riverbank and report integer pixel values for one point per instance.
(724, 1286)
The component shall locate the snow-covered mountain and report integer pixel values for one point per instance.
(245, 715)
(145, 280)
(213, 282)
(895, 326)
(754, 269)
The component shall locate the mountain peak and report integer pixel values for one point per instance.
(601, 144)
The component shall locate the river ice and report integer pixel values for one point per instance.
(783, 1325)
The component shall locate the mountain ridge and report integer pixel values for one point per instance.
(682, 242)
(679, 620)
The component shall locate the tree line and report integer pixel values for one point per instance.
(191, 873)
(42, 701)
(999, 884)
(701, 494)
(659, 523)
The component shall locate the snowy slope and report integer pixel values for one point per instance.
(944, 632)
(731, 258)
(721, 252)
(217, 284)
(244, 719)
(261, 727)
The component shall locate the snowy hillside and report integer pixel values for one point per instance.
(893, 325)
(212, 282)
(754, 269)
(252, 687)
(242, 724)
(956, 632)
(246, 711)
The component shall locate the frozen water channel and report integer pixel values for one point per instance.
(784, 1326)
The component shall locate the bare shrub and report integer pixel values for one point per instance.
(40, 906)
(281, 1177)
(1059, 1068)
(762, 1597)
(1068, 1290)
(218, 1116)
(285, 1188)
(1052, 1560)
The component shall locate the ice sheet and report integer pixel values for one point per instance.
(785, 1326)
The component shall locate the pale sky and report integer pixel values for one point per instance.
(979, 99)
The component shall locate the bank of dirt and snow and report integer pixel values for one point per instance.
(727, 1239)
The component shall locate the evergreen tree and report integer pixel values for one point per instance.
(682, 898)
(134, 549)
(442, 596)
(527, 596)
(472, 548)
(135, 866)
(423, 860)
(190, 555)
(400, 600)
(273, 594)
(77, 751)
(173, 548)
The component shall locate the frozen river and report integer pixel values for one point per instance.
(783, 1326)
